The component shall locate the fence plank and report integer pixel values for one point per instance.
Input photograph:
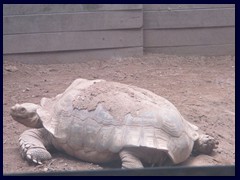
(189, 18)
(181, 37)
(72, 22)
(73, 56)
(205, 50)
(23, 9)
(47, 28)
(169, 7)
(44, 42)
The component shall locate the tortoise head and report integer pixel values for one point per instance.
(26, 114)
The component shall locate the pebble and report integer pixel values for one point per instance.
(27, 89)
(11, 68)
(45, 169)
(219, 135)
(52, 70)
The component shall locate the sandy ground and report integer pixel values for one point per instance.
(202, 88)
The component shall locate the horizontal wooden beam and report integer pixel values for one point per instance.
(73, 56)
(23, 9)
(67, 41)
(193, 36)
(189, 18)
(82, 21)
(169, 7)
(205, 50)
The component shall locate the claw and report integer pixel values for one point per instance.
(29, 156)
(39, 162)
(25, 150)
(21, 142)
(27, 146)
(22, 154)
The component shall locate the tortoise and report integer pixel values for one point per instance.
(99, 121)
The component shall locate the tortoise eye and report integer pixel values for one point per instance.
(22, 109)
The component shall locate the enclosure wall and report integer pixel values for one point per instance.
(199, 29)
(71, 32)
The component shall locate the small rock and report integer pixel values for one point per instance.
(52, 70)
(46, 91)
(33, 96)
(45, 169)
(27, 89)
(219, 135)
(11, 68)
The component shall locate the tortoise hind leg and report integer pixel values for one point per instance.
(134, 157)
(205, 144)
(129, 160)
(33, 144)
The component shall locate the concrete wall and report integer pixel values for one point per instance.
(202, 29)
(72, 32)
(69, 33)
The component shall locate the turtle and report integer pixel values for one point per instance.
(99, 121)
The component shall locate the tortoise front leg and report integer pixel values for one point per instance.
(34, 144)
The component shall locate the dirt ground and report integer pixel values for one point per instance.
(202, 88)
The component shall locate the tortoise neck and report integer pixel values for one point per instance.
(36, 122)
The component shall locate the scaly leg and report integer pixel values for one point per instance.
(34, 144)
(129, 160)
(205, 144)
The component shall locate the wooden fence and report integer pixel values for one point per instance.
(72, 32)
(202, 29)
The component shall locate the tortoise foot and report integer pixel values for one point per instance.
(205, 144)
